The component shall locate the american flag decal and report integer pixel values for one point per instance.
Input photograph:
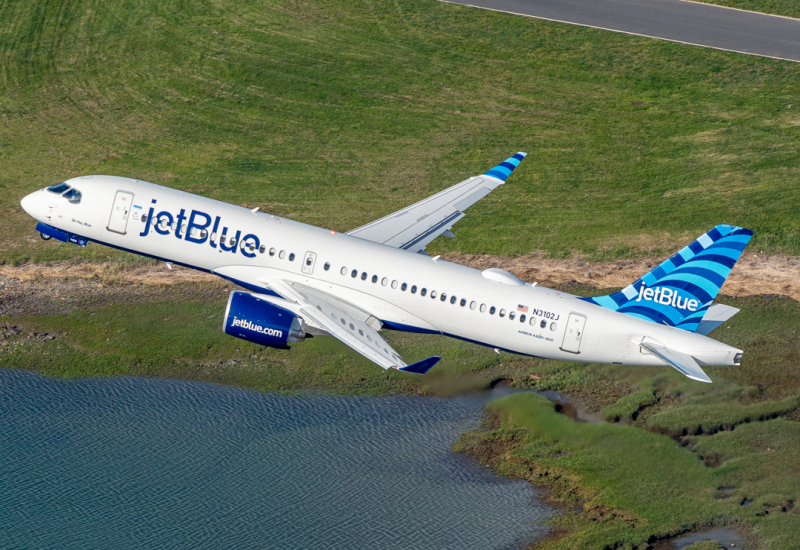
(523, 309)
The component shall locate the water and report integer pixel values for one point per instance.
(149, 463)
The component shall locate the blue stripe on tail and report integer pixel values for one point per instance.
(679, 290)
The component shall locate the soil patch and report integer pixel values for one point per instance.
(753, 274)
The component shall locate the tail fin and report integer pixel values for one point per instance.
(680, 290)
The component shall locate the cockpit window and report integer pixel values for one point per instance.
(58, 188)
(73, 196)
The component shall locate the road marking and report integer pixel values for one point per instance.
(633, 33)
(740, 9)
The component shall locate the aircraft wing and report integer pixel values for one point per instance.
(415, 226)
(683, 363)
(349, 324)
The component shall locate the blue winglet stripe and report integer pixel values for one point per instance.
(421, 367)
(504, 169)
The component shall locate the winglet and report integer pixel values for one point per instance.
(504, 169)
(421, 367)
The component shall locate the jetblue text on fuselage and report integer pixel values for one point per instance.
(197, 231)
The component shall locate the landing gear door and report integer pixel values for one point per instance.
(308, 262)
(574, 333)
(120, 211)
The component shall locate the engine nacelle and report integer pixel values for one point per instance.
(257, 320)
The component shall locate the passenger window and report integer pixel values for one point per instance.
(553, 326)
(364, 276)
(384, 281)
(291, 257)
(327, 266)
(309, 260)
(282, 254)
(354, 273)
(423, 292)
(492, 310)
(543, 324)
(453, 299)
(522, 318)
(374, 278)
(473, 305)
(433, 294)
(512, 315)
(233, 242)
(414, 289)
(502, 313)
(262, 249)
(533, 321)
(403, 287)
(444, 297)
(272, 251)
(344, 271)
(483, 308)
(394, 284)
(463, 302)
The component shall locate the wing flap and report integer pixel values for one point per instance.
(682, 362)
(350, 325)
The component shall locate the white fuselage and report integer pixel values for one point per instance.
(327, 260)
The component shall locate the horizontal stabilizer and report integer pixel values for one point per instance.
(421, 367)
(683, 363)
(714, 317)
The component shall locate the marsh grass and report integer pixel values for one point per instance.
(635, 482)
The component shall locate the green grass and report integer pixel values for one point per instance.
(710, 418)
(628, 406)
(338, 112)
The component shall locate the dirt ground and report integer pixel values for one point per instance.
(753, 274)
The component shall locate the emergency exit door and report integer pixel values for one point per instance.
(574, 333)
(120, 212)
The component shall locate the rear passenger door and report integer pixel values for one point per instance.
(574, 333)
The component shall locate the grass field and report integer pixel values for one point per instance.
(338, 112)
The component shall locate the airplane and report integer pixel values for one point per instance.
(302, 281)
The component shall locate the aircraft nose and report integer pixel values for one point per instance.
(31, 205)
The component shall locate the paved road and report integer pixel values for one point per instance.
(676, 20)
